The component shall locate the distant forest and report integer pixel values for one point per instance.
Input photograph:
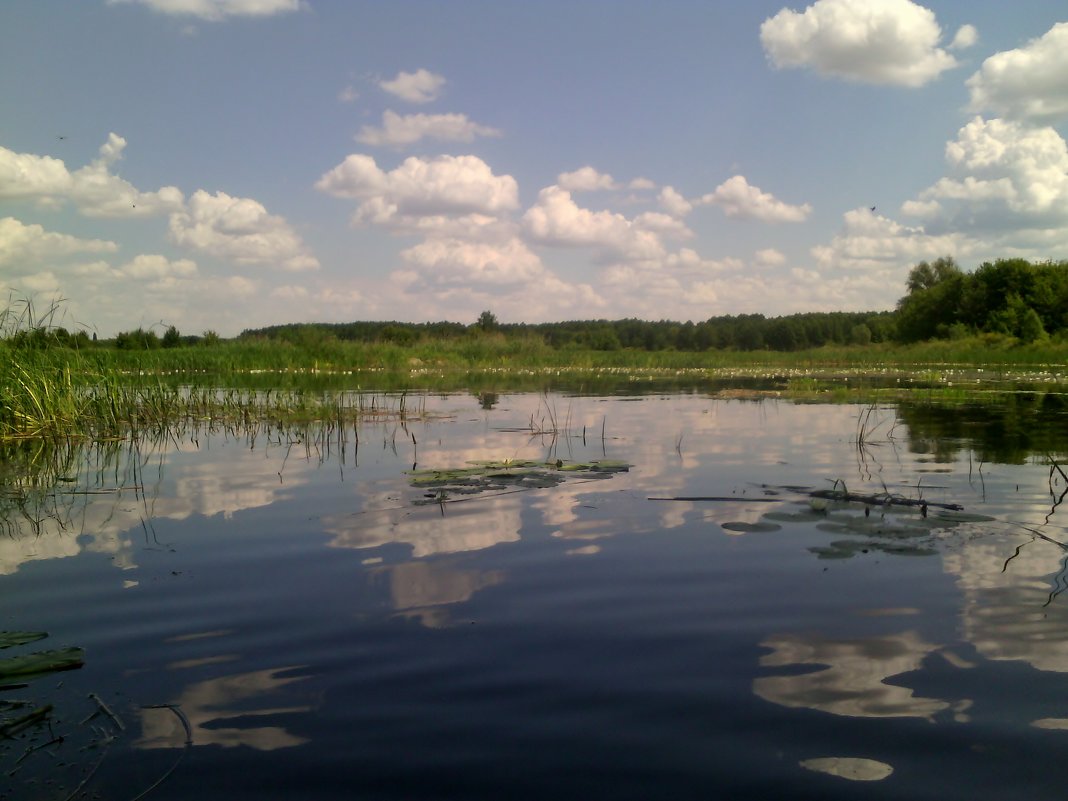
(1008, 297)
(1005, 298)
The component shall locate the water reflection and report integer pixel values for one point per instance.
(1006, 429)
(271, 542)
(462, 527)
(422, 590)
(219, 712)
(1012, 600)
(853, 674)
(852, 768)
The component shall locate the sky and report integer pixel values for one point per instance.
(230, 164)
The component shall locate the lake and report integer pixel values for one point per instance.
(647, 594)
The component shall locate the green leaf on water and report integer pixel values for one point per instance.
(40, 663)
(747, 528)
(10, 638)
(494, 475)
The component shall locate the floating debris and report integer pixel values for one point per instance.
(494, 476)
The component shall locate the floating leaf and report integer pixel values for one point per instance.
(10, 638)
(41, 663)
(487, 476)
(750, 527)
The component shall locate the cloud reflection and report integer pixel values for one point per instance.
(853, 679)
(210, 705)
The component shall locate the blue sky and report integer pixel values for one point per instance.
(224, 164)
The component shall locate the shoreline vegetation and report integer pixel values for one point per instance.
(954, 332)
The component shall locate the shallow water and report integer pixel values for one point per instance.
(301, 615)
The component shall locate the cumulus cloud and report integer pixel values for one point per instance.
(1004, 175)
(463, 263)
(44, 282)
(420, 189)
(769, 257)
(660, 223)
(545, 297)
(1029, 83)
(965, 37)
(94, 189)
(887, 42)
(421, 86)
(25, 175)
(217, 10)
(99, 193)
(555, 219)
(400, 130)
(872, 242)
(154, 267)
(674, 203)
(239, 230)
(22, 244)
(585, 179)
(739, 199)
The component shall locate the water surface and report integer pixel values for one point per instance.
(300, 614)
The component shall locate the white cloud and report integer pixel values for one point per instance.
(546, 297)
(154, 267)
(557, 220)
(44, 282)
(872, 242)
(769, 257)
(1004, 175)
(641, 184)
(886, 42)
(348, 95)
(99, 193)
(478, 264)
(398, 130)
(421, 86)
(1029, 83)
(965, 37)
(739, 199)
(239, 230)
(24, 175)
(420, 188)
(674, 203)
(217, 10)
(585, 179)
(661, 223)
(31, 245)
(94, 189)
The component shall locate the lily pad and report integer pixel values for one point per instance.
(10, 638)
(747, 528)
(489, 476)
(41, 663)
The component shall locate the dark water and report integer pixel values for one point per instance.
(291, 616)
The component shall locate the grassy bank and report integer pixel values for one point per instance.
(103, 392)
(494, 352)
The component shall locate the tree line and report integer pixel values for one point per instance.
(1007, 297)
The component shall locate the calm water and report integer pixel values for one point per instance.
(301, 616)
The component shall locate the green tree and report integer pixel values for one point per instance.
(487, 321)
(928, 275)
(171, 338)
(1030, 327)
(933, 302)
(860, 335)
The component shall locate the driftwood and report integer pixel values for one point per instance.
(881, 499)
(875, 499)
